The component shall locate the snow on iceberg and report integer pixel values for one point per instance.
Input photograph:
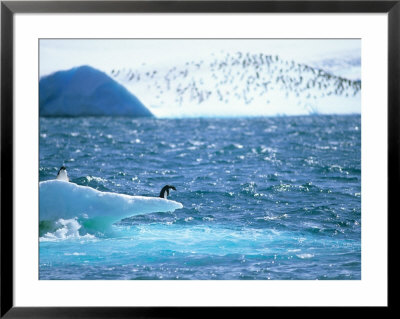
(59, 199)
(85, 91)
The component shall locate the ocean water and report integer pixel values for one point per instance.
(263, 198)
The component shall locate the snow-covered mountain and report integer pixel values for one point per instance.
(237, 84)
(348, 67)
(85, 91)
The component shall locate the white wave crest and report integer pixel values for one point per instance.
(66, 229)
(305, 256)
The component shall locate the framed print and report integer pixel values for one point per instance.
(163, 155)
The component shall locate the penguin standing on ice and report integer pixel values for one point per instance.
(62, 174)
(165, 191)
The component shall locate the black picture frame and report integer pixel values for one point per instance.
(9, 8)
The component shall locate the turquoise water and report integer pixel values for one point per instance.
(263, 198)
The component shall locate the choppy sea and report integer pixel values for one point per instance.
(263, 198)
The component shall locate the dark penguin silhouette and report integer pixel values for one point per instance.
(165, 191)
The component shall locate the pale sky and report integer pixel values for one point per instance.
(59, 54)
(340, 57)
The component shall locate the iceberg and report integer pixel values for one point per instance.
(66, 200)
(85, 91)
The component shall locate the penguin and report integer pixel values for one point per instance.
(165, 191)
(62, 174)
